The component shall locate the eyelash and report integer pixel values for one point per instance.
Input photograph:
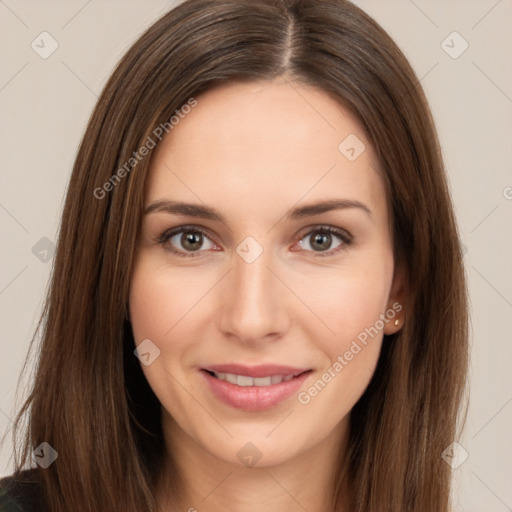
(344, 236)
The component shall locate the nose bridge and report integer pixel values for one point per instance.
(252, 305)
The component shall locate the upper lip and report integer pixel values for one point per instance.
(264, 370)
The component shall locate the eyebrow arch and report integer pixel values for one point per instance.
(300, 212)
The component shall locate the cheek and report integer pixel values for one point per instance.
(155, 307)
(166, 307)
(349, 302)
(147, 310)
(159, 298)
(352, 308)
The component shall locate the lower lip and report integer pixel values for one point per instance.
(254, 398)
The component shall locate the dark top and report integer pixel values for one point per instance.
(20, 493)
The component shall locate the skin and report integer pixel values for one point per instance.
(252, 152)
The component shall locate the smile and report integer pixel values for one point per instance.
(244, 380)
(253, 388)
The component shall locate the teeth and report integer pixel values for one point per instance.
(262, 381)
(229, 377)
(244, 380)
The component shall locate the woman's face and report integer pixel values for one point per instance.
(264, 279)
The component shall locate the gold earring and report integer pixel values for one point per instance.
(397, 321)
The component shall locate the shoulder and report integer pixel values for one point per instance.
(20, 492)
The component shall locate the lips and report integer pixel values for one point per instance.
(254, 388)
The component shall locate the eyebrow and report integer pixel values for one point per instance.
(299, 212)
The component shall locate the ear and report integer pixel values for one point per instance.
(395, 310)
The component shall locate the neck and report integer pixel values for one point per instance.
(205, 482)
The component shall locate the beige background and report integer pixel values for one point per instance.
(45, 104)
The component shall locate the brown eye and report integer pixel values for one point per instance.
(326, 240)
(321, 241)
(191, 241)
(185, 241)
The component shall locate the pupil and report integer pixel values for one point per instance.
(191, 241)
(322, 241)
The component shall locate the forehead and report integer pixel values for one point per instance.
(262, 145)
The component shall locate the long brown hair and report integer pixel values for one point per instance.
(90, 400)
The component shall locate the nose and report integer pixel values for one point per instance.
(254, 303)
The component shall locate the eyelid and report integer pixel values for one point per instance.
(345, 237)
(169, 233)
(342, 233)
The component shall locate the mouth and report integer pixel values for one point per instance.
(246, 380)
(254, 388)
